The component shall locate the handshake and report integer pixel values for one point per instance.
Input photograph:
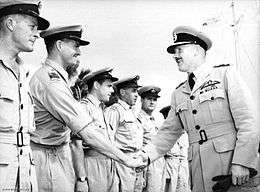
(138, 161)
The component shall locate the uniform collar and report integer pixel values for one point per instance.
(124, 104)
(58, 68)
(201, 73)
(8, 65)
(146, 115)
(94, 100)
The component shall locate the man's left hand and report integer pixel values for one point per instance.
(240, 174)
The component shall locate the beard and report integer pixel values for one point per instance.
(72, 70)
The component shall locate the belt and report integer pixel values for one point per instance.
(94, 153)
(211, 131)
(20, 138)
(49, 147)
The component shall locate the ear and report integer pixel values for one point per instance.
(58, 45)
(96, 85)
(10, 23)
(122, 92)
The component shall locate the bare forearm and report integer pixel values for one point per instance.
(98, 139)
(78, 158)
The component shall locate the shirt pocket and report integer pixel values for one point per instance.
(9, 114)
(224, 148)
(181, 113)
(127, 129)
(224, 143)
(214, 106)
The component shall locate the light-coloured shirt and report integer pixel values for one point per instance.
(16, 104)
(56, 111)
(95, 109)
(150, 125)
(126, 130)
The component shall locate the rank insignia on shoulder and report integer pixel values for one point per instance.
(53, 75)
(180, 84)
(222, 65)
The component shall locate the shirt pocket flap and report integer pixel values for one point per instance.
(224, 143)
(7, 96)
(211, 95)
(181, 107)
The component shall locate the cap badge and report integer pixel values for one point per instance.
(174, 37)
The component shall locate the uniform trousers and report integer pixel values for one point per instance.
(177, 178)
(54, 168)
(101, 172)
(129, 179)
(155, 176)
(17, 171)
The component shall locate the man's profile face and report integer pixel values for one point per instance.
(149, 103)
(25, 32)
(70, 54)
(184, 55)
(105, 90)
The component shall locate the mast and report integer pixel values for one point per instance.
(235, 35)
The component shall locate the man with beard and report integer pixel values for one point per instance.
(97, 165)
(57, 112)
(19, 25)
(126, 132)
(214, 107)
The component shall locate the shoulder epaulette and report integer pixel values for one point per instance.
(53, 75)
(180, 84)
(84, 101)
(222, 65)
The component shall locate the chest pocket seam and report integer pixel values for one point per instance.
(181, 107)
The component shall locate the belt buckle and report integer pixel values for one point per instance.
(203, 136)
(19, 137)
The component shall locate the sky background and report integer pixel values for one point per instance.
(131, 36)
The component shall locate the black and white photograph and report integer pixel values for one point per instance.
(129, 96)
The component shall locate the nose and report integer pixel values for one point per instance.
(78, 51)
(37, 34)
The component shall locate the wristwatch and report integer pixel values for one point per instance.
(82, 179)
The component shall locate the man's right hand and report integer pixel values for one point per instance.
(134, 162)
(81, 186)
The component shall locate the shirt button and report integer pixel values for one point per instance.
(192, 97)
(197, 127)
(21, 106)
(20, 84)
(212, 98)
(194, 111)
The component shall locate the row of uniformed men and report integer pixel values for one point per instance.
(213, 106)
(56, 112)
(129, 133)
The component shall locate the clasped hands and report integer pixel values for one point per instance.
(138, 161)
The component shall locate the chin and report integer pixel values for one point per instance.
(28, 49)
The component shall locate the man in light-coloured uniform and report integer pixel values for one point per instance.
(177, 168)
(126, 131)
(19, 25)
(57, 112)
(97, 165)
(214, 107)
(155, 172)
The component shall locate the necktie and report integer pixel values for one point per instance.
(191, 81)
